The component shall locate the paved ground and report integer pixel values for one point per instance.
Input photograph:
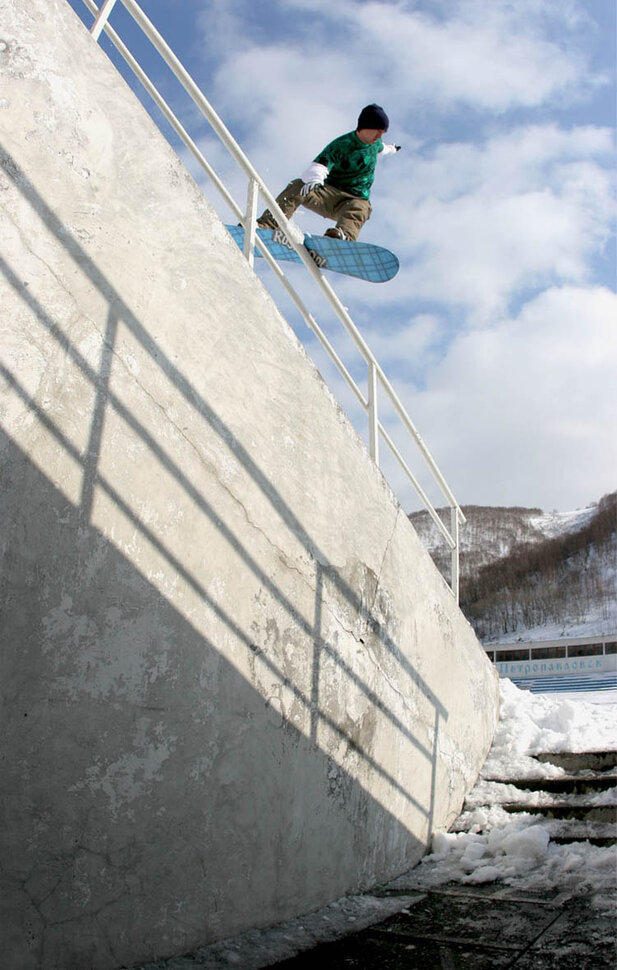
(450, 928)
(458, 930)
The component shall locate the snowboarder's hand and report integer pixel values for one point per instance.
(313, 178)
(310, 186)
(398, 147)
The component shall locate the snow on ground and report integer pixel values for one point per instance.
(516, 849)
(553, 524)
(532, 723)
(517, 852)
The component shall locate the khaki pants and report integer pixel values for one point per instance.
(349, 212)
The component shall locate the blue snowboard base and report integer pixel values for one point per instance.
(362, 260)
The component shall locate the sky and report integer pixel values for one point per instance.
(499, 333)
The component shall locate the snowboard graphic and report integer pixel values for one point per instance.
(363, 260)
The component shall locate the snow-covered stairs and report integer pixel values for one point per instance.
(580, 805)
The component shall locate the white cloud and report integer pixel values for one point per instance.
(475, 224)
(526, 411)
(475, 58)
(413, 342)
(518, 158)
(489, 54)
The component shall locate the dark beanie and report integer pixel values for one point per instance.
(373, 117)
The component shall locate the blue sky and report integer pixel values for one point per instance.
(500, 330)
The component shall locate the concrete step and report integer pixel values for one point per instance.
(563, 798)
(562, 830)
(569, 803)
(597, 833)
(576, 761)
(564, 809)
(571, 784)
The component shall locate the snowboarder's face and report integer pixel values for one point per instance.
(370, 135)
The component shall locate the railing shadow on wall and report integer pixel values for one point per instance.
(377, 382)
(105, 399)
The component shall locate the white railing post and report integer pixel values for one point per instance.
(101, 18)
(373, 416)
(252, 198)
(454, 555)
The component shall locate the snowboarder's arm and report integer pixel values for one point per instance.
(314, 176)
(390, 149)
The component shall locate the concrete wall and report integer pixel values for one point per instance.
(234, 685)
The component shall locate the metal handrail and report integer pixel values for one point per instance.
(256, 188)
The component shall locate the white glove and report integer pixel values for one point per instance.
(313, 178)
(390, 149)
(309, 186)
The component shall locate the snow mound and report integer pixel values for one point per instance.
(533, 723)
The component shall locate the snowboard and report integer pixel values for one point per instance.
(362, 260)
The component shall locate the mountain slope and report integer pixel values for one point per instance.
(492, 533)
(523, 570)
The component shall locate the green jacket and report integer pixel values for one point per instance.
(351, 164)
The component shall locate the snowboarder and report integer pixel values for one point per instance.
(338, 182)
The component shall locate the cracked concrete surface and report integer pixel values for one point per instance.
(230, 669)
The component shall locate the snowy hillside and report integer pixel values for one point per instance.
(492, 533)
(533, 575)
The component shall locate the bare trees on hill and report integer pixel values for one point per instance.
(554, 581)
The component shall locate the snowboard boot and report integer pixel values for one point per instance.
(335, 233)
